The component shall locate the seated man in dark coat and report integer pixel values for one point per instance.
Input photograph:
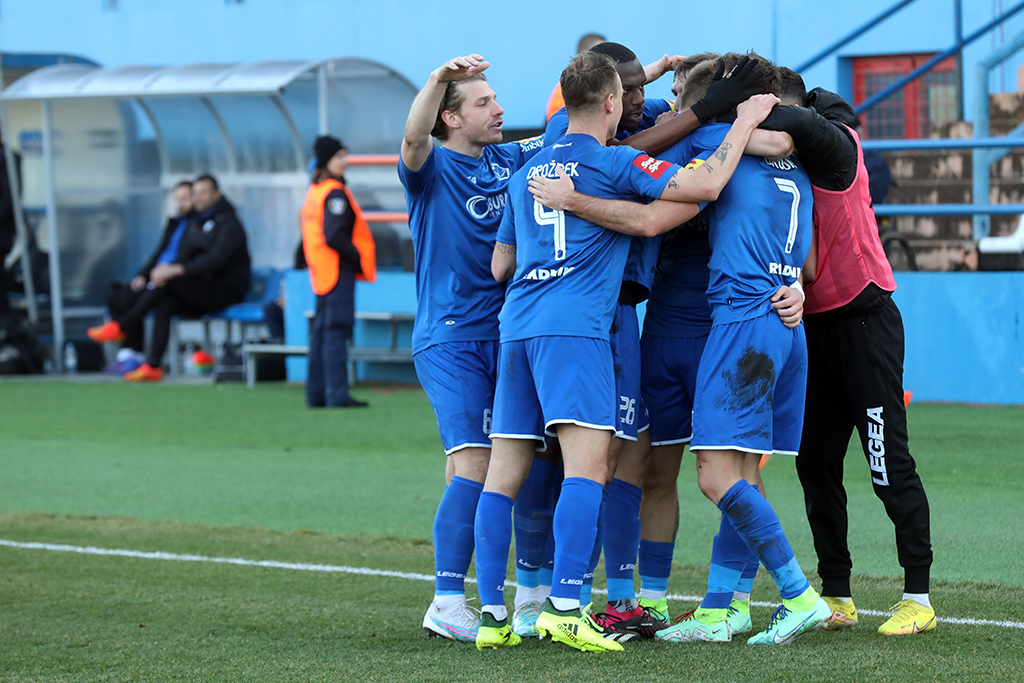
(210, 272)
(124, 297)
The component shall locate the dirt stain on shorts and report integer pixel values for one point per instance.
(750, 380)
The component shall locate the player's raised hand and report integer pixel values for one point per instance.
(553, 193)
(727, 91)
(461, 68)
(756, 109)
(656, 70)
(789, 304)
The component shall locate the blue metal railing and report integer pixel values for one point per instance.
(981, 159)
(913, 75)
(853, 35)
(942, 143)
(974, 209)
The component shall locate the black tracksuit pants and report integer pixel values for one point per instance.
(855, 379)
(191, 297)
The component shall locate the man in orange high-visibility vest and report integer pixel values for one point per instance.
(339, 248)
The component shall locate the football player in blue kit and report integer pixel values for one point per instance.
(751, 378)
(619, 527)
(555, 367)
(456, 193)
(676, 327)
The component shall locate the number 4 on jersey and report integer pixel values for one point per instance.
(545, 216)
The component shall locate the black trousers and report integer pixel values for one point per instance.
(121, 300)
(855, 380)
(183, 296)
(327, 372)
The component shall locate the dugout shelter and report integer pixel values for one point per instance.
(102, 148)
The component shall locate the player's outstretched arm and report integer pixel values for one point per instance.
(503, 261)
(705, 182)
(723, 95)
(416, 144)
(631, 218)
(770, 144)
(827, 150)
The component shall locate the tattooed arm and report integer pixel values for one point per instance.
(503, 261)
(620, 215)
(684, 191)
(705, 182)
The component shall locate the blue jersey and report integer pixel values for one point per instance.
(759, 229)
(678, 306)
(568, 271)
(643, 253)
(455, 204)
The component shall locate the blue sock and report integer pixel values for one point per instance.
(532, 519)
(758, 525)
(655, 564)
(746, 582)
(728, 559)
(621, 531)
(493, 531)
(548, 568)
(453, 535)
(595, 554)
(575, 525)
(554, 489)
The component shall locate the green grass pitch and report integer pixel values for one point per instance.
(220, 471)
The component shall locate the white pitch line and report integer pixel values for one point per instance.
(365, 571)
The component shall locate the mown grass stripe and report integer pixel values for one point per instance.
(365, 571)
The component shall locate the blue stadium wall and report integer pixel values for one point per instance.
(527, 42)
(964, 336)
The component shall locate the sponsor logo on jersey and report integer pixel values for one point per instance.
(531, 143)
(500, 172)
(561, 144)
(876, 446)
(548, 170)
(483, 208)
(336, 205)
(784, 270)
(781, 164)
(547, 274)
(651, 166)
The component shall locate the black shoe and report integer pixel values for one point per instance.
(351, 403)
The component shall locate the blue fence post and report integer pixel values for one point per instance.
(981, 159)
(981, 223)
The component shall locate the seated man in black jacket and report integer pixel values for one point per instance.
(123, 298)
(209, 273)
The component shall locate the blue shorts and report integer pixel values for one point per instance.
(669, 383)
(458, 378)
(625, 343)
(546, 381)
(751, 388)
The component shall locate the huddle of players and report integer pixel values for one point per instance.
(557, 353)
